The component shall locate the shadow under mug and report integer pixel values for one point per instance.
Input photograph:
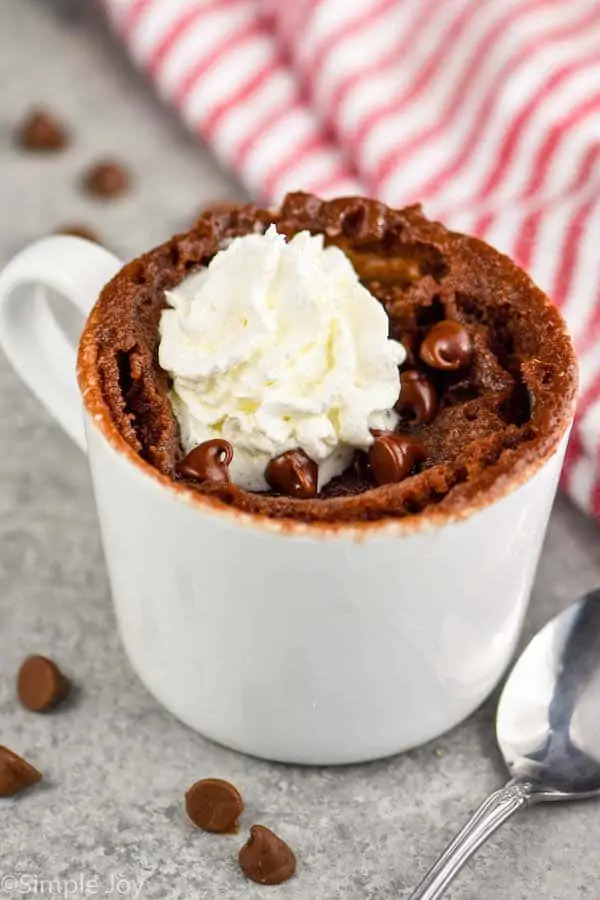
(291, 642)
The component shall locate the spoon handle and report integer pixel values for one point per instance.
(498, 807)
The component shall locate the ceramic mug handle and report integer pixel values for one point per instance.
(31, 336)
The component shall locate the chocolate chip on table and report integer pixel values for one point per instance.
(265, 858)
(41, 131)
(417, 403)
(392, 456)
(41, 685)
(447, 345)
(294, 474)
(16, 773)
(214, 805)
(106, 179)
(80, 231)
(208, 461)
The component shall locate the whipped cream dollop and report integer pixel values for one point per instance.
(276, 345)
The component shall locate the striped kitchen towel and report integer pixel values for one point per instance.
(487, 111)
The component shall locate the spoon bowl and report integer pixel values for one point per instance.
(548, 730)
(547, 725)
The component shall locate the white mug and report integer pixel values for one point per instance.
(293, 642)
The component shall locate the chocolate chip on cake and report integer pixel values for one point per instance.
(16, 773)
(417, 403)
(41, 685)
(214, 805)
(208, 461)
(293, 474)
(80, 231)
(106, 179)
(392, 456)
(409, 341)
(265, 858)
(447, 346)
(41, 131)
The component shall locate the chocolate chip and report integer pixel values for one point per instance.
(208, 461)
(16, 773)
(214, 805)
(409, 341)
(265, 858)
(417, 403)
(80, 231)
(392, 456)
(293, 474)
(40, 684)
(40, 131)
(106, 179)
(447, 345)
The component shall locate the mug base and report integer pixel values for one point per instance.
(320, 756)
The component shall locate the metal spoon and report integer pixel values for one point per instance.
(548, 729)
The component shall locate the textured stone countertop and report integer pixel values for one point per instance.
(116, 764)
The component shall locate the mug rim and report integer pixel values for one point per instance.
(98, 415)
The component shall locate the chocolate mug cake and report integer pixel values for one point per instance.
(324, 443)
(473, 377)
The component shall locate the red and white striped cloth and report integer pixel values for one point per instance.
(487, 111)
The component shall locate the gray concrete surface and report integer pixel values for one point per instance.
(116, 764)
